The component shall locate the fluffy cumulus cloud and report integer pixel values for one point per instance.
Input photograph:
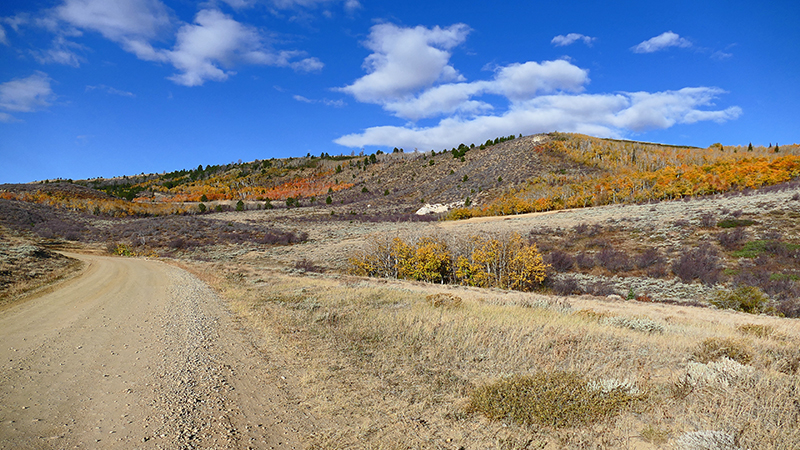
(571, 38)
(25, 95)
(410, 75)
(541, 96)
(523, 81)
(405, 60)
(660, 42)
(608, 115)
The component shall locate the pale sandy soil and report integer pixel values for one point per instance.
(137, 354)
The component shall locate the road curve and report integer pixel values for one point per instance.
(135, 354)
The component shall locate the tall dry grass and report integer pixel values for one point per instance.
(381, 365)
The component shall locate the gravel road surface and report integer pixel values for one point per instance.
(136, 354)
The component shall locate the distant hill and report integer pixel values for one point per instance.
(507, 175)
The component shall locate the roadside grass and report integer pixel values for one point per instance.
(388, 364)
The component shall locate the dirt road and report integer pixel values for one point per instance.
(136, 354)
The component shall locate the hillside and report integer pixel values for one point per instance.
(502, 176)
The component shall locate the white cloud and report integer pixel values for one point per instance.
(325, 101)
(410, 75)
(110, 90)
(213, 40)
(216, 41)
(405, 60)
(571, 38)
(63, 51)
(720, 55)
(3, 38)
(207, 49)
(239, 4)
(609, 115)
(405, 78)
(444, 99)
(293, 4)
(118, 20)
(523, 81)
(660, 42)
(25, 95)
(352, 6)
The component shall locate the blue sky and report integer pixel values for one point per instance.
(105, 88)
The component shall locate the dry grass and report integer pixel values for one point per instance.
(383, 365)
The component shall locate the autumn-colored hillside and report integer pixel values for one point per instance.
(508, 175)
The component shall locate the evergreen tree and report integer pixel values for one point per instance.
(750, 147)
(240, 205)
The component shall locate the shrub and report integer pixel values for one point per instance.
(444, 300)
(731, 240)
(707, 439)
(701, 263)
(328, 200)
(553, 399)
(789, 307)
(712, 349)
(460, 213)
(124, 250)
(585, 260)
(429, 260)
(560, 261)
(755, 329)
(601, 289)
(201, 207)
(613, 260)
(565, 286)
(307, 265)
(707, 220)
(649, 258)
(641, 324)
(749, 299)
(735, 223)
(240, 205)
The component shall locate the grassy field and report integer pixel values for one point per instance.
(386, 364)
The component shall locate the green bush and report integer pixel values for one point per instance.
(554, 399)
(734, 223)
(749, 299)
(202, 207)
(240, 205)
